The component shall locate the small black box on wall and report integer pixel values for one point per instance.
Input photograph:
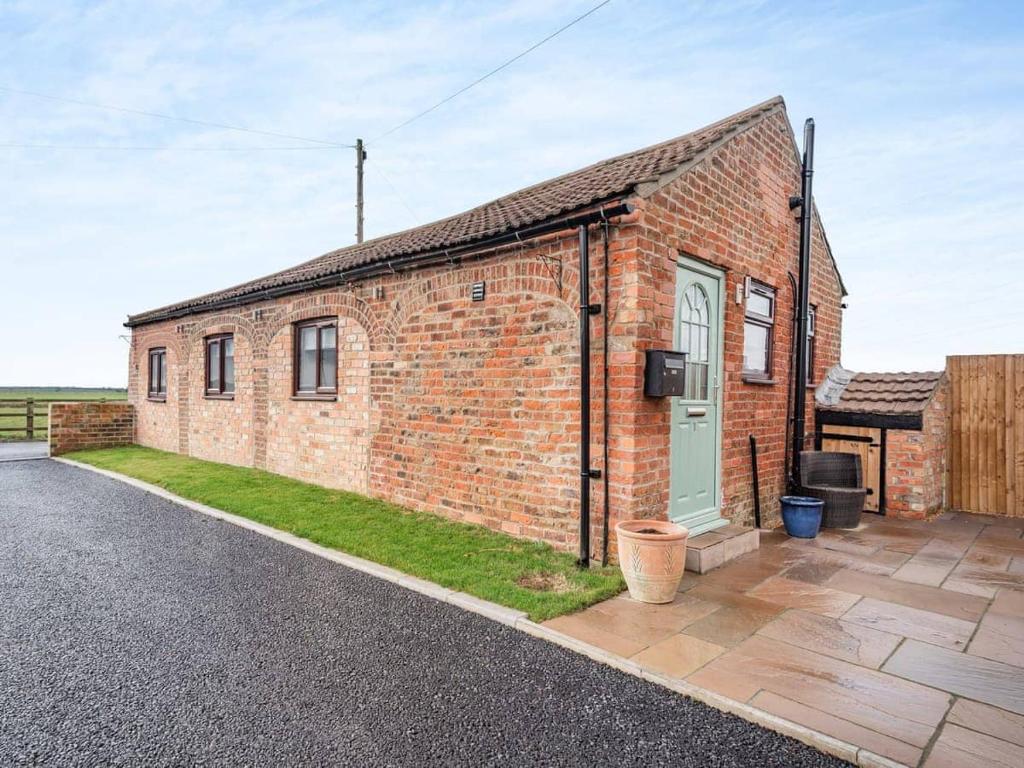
(665, 373)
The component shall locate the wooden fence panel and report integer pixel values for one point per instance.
(870, 456)
(986, 434)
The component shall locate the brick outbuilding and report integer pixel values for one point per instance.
(898, 423)
(439, 367)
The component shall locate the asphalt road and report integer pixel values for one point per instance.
(136, 632)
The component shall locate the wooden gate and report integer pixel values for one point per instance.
(986, 434)
(867, 442)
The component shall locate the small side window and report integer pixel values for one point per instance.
(220, 365)
(157, 388)
(759, 332)
(812, 322)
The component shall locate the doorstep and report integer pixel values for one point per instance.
(716, 548)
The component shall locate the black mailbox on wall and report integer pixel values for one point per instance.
(665, 373)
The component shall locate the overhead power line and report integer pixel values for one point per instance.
(493, 72)
(398, 195)
(160, 116)
(160, 149)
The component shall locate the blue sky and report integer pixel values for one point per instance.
(919, 107)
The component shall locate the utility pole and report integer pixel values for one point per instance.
(360, 157)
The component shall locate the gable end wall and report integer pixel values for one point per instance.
(731, 211)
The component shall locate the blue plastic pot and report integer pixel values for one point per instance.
(802, 516)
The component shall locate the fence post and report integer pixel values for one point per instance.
(30, 412)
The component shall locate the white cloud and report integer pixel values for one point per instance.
(919, 108)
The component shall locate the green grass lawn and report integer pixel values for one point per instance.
(43, 395)
(463, 557)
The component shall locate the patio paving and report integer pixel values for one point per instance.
(905, 638)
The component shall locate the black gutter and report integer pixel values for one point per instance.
(804, 285)
(436, 256)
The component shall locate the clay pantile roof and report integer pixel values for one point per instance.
(609, 179)
(891, 394)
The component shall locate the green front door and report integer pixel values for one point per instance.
(696, 426)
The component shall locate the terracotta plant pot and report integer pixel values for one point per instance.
(652, 556)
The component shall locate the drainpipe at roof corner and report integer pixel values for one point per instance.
(604, 409)
(803, 284)
(788, 457)
(586, 472)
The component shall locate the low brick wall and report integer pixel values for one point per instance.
(77, 426)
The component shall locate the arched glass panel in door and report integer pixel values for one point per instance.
(695, 340)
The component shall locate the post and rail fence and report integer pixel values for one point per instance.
(30, 416)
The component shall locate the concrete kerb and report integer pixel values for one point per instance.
(518, 620)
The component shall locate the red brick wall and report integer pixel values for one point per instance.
(157, 423)
(322, 442)
(78, 426)
(916, 475)
(730, 211)
(470, 409)
(482, 422)
(208, 417)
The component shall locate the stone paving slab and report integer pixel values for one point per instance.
(900, 638)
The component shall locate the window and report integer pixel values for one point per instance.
(758, 332)
(220, 365)
(157, 389)
(695, 341)
(316, 358)
(811, 323)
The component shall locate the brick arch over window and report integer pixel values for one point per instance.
(321, 441)
(479, 418)
(250, 397)
(159, 425)
(224, 428)
(512, 275)
(342, 304)
(226, 323)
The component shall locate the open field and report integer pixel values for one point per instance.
(12, 405)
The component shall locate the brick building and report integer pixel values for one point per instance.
(439, 367)
(898, 423)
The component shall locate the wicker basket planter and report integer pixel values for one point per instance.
(836, 479)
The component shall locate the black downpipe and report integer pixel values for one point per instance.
(804, 285)
(585, 473)
(789, 377)
(757, 485)
(883, 459)
(604, 391)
